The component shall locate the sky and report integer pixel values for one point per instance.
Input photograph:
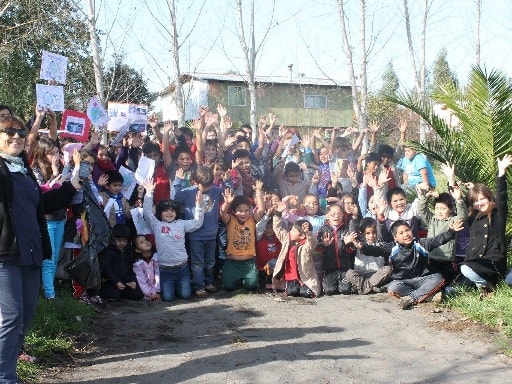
(305, 33)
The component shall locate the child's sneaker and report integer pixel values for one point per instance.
(85, 299)
(201, 293)
(26, 357)
(97, 300)
(406, 302)
(210, 288)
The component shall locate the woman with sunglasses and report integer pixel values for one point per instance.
(24, 240)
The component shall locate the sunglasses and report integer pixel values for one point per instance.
(10, 131)
(13, 131)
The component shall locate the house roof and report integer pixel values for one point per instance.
(258, 79)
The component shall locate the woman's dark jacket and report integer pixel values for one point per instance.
(487, 251)
(48, 202)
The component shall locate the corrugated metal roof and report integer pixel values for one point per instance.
(269, 79)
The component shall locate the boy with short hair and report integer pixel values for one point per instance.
(412, 280)
(202, 242)
(116, 207)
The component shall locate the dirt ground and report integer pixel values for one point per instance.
(265, 338)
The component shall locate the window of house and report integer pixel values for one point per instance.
(236, 96)
(315, 102)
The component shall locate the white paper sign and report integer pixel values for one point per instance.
(97, 113)
(136, 112)
(145, 169)
(293, 141)
(129, 182)
(50, 97)
(54, 67)
(138, 220)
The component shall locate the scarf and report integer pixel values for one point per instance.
(115, 201)
(15, 162)
(325, 178)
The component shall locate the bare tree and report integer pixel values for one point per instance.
(95, 47)
(359, 91)
(250, 51)
(478, 4)
(419, 75)
(175, 52)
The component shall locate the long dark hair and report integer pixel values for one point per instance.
(44, 146)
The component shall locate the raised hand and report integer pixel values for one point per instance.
(221, 110)
(199, 198)
(180, 173)
(228, 196)
(149, 185)
(402, 125)
(373, 127)
(327, 239)
(227, 122)
(271, 119)
(102, 180)
(448, 170)
(503, 164)
(457, 225)
(203, 110)
(262, 122)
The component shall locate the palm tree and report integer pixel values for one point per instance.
(484, 132)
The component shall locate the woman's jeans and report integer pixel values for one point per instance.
(469, 274)
(56, 232)
(19, 287)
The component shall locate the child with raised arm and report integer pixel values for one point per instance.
(146, 268)
(441, 259)
(295, 264)
(202, 242)
(169, 230)
(237, 214)
(412, 281)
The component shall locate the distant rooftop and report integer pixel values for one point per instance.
(268, 79)
(298, 80)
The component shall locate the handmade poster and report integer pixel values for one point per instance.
(54, 67)
(50, 97)
(75, 124)
(138, 220)
(136, 112)
(129, 182)
(97, 113)
(293, 141)
(145, 169)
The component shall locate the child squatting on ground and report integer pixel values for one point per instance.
(412, 281)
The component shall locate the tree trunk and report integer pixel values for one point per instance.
(359, 93)
(250, 62)
(178, 91)
(477, 30)
(419, 75)
(96, 57)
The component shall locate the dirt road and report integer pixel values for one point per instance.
(261, 338)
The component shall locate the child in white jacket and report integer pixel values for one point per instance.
(169, 230)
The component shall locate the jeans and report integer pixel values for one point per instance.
(473, 276)
(19, 287)
(175, 281)
(202, 261)
(419, 288)
(56, 232)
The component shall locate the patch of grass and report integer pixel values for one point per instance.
(494, 311)
(52, 332)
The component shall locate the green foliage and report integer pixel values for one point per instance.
(484, 110)
(442, 75)
(53, 330)
(494, 311)
(27, 27)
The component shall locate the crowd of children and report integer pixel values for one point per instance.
(288, 212)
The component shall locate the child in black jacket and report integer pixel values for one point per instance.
(412, 280)
(119, 280)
